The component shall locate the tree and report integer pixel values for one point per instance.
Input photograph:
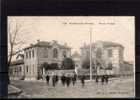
(45, 65)
(98, 60)
(86, 64)
(68, 63)
(99, 53)
(51, 66)
(14, 43)
(110, 67)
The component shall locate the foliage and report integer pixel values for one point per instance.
(86, 64)
(50, 66)
(109, 66)
(68, 63)
(99, 53)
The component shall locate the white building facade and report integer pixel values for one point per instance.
(43, 52)
(108, 54)
(37, 54)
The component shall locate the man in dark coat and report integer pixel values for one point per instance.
(74, 79)
(106, 79)
(56, 79)
(53, 80)
(103, 79)
(63, 79)
(97, 79)
(68, 80)
(83, 80)
(47, 79)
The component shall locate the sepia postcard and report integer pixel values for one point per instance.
(71, 56)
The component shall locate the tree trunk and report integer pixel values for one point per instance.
(9, 62)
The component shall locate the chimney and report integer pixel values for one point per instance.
(31, 44)
(54, 41)
(38, 41)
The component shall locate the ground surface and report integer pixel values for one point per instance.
(119, 87)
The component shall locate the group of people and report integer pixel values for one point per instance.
(104, 79)
(66, 79)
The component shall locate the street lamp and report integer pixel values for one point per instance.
(90, 54)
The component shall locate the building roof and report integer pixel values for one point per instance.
(47, 44)
(105, 44)
(18, 62)
(43, 43)
(110, 44)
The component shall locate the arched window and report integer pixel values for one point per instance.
(110, 66)
(20, 69)
(45, 52)
(64, 53)
(29, 54)
(33, 69)
(27, 69)
(33, 53)
(55, 53)
(26, 54)
(110, 53)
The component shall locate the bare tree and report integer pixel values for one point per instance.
(14, 42)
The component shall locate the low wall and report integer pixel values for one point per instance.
(60, 72)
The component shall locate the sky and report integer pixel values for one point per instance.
(75, 30)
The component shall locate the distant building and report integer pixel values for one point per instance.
(16, 69)
(108, 55)
(43, 52)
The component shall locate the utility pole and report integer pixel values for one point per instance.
(90, 54)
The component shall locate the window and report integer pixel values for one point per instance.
(20, 69)
(45, 52)
(55, 53)
(110, 53)
(33, 53)
(26, 54)
(110, 66)
(27, 69)
(33, 69)
(29, 54)
(10, 71)
(64, 53)
(15, 70)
